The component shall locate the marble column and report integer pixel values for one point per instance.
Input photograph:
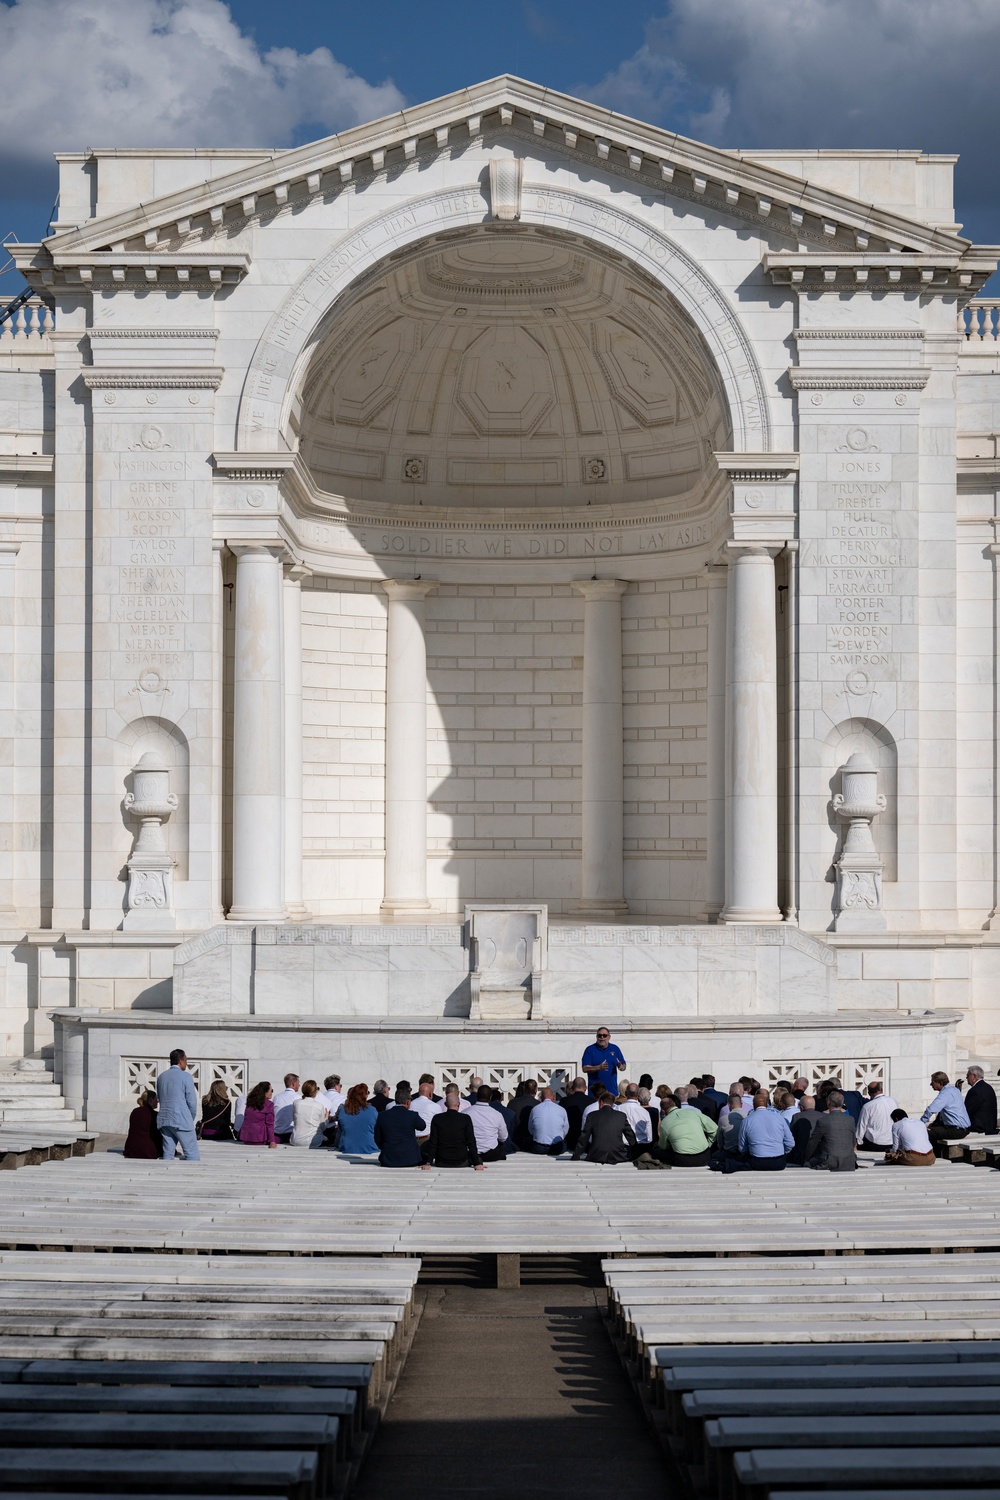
(406, 747)
(258, 737)
(602, 869)
(292, 600)
(9, 729)
(751, 738)
(715, 881)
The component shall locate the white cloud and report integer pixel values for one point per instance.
(813, 73)
(80, 73)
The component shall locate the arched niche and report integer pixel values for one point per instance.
(167, 741)
(278, 369)
(865, 737)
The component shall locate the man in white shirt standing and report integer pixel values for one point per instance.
(874, 1127)
(284, 1104)
(489, 1126)
(911, 1145)
(548, 1125)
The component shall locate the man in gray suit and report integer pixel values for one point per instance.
(178, 1109)
(832, 1142)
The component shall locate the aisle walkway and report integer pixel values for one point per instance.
(513, 1394)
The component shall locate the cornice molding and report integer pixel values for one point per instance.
(858, 335)
(160, 379)
(146, 334)
(20, 464)
(838, 380)
(932, 274)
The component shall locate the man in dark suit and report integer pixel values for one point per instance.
(832, 1144)
(981, 1102)
(606, 1137)
(709, 1091)
(452, 1141)
(698, 1099)
(574, 1104)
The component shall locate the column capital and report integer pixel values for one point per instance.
(735, 549)
(408, 588)
(296, 572)
(276, 551)
(600, 588)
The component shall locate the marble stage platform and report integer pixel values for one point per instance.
(394, 999)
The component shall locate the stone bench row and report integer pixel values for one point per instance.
(749, 1425)
(29, 1146)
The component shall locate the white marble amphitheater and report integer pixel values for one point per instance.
(498, 569)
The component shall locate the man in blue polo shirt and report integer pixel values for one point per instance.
(602, 1062)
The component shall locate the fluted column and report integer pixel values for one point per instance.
(406, 747)
(602, 868)
(751, 739)
(292, 601)
(258, 737)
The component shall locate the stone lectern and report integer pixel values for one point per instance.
(507, 950)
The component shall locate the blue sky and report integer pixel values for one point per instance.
(802, 73)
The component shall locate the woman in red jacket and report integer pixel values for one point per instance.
(258, 1121)
(143, 1140)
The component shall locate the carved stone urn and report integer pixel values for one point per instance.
(858, 898)
(149, 898)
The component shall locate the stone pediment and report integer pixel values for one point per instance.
(530, 120)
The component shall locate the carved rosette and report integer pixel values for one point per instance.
(859, 868)
(149, 898)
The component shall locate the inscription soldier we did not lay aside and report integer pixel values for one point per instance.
(863, 555)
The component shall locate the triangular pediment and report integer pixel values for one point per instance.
(813, 218)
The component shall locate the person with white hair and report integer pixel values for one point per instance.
(980, 1101)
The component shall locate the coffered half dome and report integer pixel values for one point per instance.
(512, 368)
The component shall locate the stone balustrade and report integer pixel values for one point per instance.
(33, 322)
(980, 319)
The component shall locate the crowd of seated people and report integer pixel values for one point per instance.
(692, 1125)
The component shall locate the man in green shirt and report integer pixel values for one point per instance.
(686, 1137)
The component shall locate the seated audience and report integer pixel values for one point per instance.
(874, 1127)
(453, 1140)
(576, 1101)
(947, 1111)
(284, 1104)
(143, 1141)
(831, 1145)
(699, 1100)
(309, 1117)
(801, 1126)
(357, 1120)
(710, 1091)
(765, 1138)
(396, 1132)
(258, 1118)
(332, 1094)
(504, 1110)
(607, 1137)
(911, 1145)
(548, 1125)
(217, 1114)
(980, 1102)
(727, 1141)
(426, 1106)
(380, 1095)
(686, 1136)
(637, 1115)
(523, 1102)
(488, 1126)
(785, 1102)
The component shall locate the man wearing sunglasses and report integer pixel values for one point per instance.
(602, 1062)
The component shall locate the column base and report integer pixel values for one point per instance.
(731, 915)
(597, 908)
(297, 912)
(246, 915)
(401, 906)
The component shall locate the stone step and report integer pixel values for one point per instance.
(44, 1112)
(28, 1088)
